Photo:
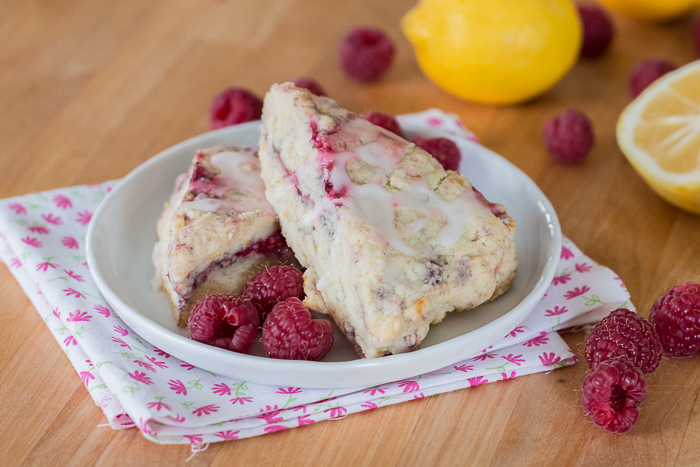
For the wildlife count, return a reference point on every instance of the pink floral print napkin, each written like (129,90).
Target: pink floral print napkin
(42,241)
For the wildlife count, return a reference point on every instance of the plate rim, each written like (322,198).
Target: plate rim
(141,320)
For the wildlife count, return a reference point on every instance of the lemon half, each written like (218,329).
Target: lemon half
(659,133)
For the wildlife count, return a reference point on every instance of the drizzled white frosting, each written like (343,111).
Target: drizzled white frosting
(239,171)
(371,202)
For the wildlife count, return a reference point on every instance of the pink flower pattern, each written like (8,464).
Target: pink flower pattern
(141,377)
(206,410)
(78,315)
(228,434)
(221,389)
(51,219)
(272,414)
(38,229)
(62,202)
(103,310)
(556,311)
(159,405)
(177,386)
(71,291)
(32,241)
(549,358)
(477,381)
(576,292)
(17,208)
(70,242)
(86,376)
(46,265)
(74,276)
(542,339)
(563,279)
(566,253)
(409,386)
(84,217)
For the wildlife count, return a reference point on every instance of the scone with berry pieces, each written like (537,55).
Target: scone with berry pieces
(391,241)
(217,230)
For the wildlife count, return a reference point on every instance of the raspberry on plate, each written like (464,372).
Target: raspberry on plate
(597,30)
(444,150)
(233,106)
(386,121)
(224,321)
(290,333)
(612,393)
(569,136)
(646,72)
(274,284)
(309,84)
(676,319)
(624,333)
(365,54)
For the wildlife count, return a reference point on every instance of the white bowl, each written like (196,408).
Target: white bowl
(122,233)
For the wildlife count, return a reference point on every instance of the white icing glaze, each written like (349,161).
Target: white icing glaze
(371,202)
(236,174)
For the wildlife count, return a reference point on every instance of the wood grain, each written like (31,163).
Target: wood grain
(88,90)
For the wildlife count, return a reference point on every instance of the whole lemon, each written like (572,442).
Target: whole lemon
(652,10)
(494,51)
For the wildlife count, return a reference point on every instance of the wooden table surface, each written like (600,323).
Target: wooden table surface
(89,90)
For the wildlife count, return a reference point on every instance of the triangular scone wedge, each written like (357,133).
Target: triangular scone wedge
(217,230)
(390,240)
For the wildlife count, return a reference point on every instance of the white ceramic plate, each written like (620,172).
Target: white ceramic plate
(121,237)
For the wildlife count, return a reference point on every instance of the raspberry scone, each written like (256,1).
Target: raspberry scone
(217,230)
(391,241)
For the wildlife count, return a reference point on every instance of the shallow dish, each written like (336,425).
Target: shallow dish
(122,233)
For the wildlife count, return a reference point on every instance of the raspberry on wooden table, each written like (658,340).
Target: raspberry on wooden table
(274,284)
(624,333)
(444,150)
(224,321)
(612,393)
(569,136)
(233,106)
(646,72)
(290,333)
(597,30)
(365,54)
(386,121)
(676,319)
(309,84)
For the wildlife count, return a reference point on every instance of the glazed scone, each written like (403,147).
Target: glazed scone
(390,240)
(217,230)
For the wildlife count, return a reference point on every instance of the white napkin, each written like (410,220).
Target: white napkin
(42,241)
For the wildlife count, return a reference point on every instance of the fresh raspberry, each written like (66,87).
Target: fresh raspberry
(290,333)
(568,136)
(444,150)
(646,72)
(386,121)
(696,35)
(611,394)
(365,54)
(224,321)
(234,106)
(310,84)
(275,284)
(676,319)
(597,30)
(624,333)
